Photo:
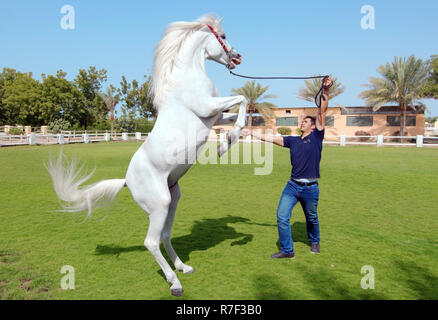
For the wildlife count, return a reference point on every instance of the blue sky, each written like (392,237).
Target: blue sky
(280,38)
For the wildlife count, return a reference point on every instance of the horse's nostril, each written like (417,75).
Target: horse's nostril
(239,56)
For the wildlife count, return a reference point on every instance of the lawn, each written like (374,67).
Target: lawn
(378,207)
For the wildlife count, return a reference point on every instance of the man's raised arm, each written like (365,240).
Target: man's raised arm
(320,119)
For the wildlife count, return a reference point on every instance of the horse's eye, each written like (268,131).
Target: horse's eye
(223,37)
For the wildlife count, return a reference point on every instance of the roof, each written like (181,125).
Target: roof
(367,110)
(382,110)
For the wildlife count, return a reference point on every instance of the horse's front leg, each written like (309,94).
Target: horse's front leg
(212,106)
(234,134)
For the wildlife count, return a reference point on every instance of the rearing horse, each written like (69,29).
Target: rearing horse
(188,106)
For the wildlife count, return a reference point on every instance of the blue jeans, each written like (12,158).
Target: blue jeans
(308,196)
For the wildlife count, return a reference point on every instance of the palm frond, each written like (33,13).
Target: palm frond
(255,94)
(312,87)
(401,82)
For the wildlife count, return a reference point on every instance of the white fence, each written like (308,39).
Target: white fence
(68,137)
(82,137)
(381,140)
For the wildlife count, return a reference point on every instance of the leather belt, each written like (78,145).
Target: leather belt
(304,184)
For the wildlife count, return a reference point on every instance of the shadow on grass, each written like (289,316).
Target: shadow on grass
(414,280)
(268,287)
(205,234)
(419,280)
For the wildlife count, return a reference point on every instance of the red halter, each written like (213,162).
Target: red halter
(218,39)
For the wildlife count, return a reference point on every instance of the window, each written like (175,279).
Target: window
(330,121)
(364,121)
(258,121)
(290,121)
(394,121)
(287,112)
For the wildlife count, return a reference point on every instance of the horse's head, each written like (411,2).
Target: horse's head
(218,48)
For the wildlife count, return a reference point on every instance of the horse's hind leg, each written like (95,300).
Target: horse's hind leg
(175,194)
(157,204)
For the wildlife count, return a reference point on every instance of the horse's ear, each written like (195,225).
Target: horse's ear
(218,21)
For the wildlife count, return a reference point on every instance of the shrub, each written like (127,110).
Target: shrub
(58,125)
(362,133)
(284,131)
(397,134)
(100,125)
(15,131)
(299,132)
(143,125)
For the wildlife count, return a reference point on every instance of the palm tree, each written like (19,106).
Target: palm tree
(255,94)
(110,101)
(313,86)
(430,89)
(402,83)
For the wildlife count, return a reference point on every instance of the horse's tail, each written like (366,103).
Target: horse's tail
(66,180)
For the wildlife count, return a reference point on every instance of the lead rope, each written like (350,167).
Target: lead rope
(318,97)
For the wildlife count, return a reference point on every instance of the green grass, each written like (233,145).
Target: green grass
(378,207)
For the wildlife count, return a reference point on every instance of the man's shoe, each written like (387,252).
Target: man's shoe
(280,255)
(315,248)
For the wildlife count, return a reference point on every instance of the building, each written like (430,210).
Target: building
(347,121)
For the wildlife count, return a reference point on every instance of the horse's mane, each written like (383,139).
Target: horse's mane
(167,50)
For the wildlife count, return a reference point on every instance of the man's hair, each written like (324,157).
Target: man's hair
(312,119)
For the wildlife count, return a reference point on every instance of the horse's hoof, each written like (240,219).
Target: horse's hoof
(221,150)
(189,270)
(176,292)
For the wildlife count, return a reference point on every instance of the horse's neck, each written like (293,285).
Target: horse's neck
(191,56)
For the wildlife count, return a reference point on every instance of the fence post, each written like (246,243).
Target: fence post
(342,140)
(106,136)
(124,136)
(32,139)
(85,136)
(60,138)
(419,141)
(221,137)
(380,140)
(138,135)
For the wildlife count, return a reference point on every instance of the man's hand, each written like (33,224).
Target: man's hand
(327,83)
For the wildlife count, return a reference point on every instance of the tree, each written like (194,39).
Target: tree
(313,86)
(20,98)
(402,83)
(255,94)
(111,100)
(146,107)
(135,102)
(430,89)
(89,82)
(61,99)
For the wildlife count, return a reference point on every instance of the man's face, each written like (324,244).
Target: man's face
(306,125)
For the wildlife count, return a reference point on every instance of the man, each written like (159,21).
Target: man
(305,156)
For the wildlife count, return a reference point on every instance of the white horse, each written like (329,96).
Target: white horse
(188,106)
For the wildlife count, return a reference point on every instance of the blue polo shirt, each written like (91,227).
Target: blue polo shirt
(305,154)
